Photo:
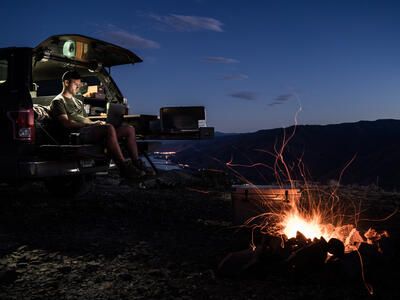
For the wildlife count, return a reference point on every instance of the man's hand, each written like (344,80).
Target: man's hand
(98,123)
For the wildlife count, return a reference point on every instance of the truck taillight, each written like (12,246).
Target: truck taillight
(23,122)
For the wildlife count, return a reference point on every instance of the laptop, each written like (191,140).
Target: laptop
(115,114)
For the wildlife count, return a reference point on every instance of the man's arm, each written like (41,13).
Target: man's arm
(71,124)
(59,113)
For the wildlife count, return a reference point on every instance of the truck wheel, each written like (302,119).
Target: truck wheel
(70,186)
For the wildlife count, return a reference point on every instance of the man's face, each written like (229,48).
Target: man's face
(73,86)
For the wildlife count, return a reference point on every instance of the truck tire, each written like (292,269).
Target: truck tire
(70,186)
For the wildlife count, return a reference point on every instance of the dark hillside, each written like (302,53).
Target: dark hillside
(325,151)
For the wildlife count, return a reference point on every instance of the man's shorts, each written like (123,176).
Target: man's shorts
(87,136)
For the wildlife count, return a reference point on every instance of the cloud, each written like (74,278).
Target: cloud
(189,23)
(235,77)
(220,60)
(128,39)
(283,97)
(274,103)
(245,95)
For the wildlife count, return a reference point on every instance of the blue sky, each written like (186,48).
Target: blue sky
(249,62)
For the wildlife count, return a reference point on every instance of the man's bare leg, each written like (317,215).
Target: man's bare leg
(129,133)
(107,132)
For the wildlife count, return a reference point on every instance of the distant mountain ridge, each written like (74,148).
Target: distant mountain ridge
(324,150)
(219,133)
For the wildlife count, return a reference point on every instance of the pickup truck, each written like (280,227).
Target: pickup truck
(34,147)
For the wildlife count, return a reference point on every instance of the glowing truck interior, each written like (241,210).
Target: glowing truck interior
(92,58)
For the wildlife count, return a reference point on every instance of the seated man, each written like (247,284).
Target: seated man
(69,111)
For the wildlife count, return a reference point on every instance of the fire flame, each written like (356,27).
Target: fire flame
(310,228)
(313,227)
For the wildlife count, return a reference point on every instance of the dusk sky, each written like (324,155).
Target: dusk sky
(251,63)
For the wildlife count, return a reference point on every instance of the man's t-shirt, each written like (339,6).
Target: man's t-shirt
(73,108)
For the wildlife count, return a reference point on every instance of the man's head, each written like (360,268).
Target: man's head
(71,82)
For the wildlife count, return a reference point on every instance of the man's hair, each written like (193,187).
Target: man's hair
(71,75)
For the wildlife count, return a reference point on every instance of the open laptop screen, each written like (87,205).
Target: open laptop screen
(115,114)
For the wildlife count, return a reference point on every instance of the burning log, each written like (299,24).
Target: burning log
(360,262)
(311,256)
(336,247)
(373,236)
(301,239)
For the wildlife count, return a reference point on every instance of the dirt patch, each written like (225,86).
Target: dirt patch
(119,242)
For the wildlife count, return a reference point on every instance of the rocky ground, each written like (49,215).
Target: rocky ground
(118,242)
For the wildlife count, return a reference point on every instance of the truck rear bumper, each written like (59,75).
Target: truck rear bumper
(12,170)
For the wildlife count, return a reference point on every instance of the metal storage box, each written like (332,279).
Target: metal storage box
(182,118)
(252,200)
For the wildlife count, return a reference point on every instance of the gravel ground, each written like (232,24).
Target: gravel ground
(118,242)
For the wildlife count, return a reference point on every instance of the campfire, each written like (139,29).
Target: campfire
(313,227)
(299,239)
(301,231)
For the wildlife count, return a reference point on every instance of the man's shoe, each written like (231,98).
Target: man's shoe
(139,164)
(131,172)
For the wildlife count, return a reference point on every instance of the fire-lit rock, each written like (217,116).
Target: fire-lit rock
(309,257)
(336,247)
(301,239)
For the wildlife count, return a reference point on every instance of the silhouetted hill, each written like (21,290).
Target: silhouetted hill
(325,150)
(219,133)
